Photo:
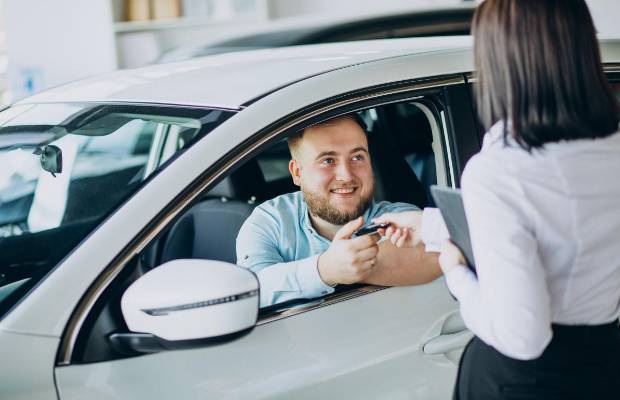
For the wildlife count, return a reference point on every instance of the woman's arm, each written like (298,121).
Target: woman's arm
(508,305)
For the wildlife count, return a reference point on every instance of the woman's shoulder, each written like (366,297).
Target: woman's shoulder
(498,164)
(500,151)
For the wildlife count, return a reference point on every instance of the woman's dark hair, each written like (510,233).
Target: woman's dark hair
(539,68)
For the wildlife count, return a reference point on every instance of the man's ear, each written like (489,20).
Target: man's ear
(295,169)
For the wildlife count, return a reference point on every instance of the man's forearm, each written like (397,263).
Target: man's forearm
(404,266)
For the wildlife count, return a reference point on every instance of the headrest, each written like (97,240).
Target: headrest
(244,183)
(413,133)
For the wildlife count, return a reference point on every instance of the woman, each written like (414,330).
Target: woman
(543,211)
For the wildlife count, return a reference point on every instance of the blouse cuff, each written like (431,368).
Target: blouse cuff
(462,282)
(434,231)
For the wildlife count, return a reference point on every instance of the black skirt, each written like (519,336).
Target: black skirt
(581,362)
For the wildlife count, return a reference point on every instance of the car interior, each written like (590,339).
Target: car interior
(403,143)
(209,229)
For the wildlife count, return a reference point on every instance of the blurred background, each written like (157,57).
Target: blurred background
(47,43)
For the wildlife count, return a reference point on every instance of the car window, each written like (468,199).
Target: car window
(616,88)
(66,167)
(406,148)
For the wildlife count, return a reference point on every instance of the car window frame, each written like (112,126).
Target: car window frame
(393,92)
(440,114)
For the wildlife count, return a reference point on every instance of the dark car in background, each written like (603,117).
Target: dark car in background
(437,21)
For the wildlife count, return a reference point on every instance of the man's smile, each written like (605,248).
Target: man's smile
(344,191)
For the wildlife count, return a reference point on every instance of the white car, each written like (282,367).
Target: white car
(121,197)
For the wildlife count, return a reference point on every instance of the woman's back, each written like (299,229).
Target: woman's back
(569,196)
(541,201)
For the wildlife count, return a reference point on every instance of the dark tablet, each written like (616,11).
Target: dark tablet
(450,202)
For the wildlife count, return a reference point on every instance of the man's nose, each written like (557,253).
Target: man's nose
(343,172)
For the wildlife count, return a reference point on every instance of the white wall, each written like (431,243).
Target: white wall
(606,15)
(50,42)
(138,47)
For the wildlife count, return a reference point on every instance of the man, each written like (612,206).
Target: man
(300,244)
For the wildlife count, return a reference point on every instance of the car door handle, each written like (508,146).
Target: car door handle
(446,343)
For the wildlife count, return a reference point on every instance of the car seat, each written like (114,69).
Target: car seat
(395,179)
(209,229)
(406,137)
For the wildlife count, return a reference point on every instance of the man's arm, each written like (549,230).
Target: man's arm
(404,266)
(410,265)
(257,250)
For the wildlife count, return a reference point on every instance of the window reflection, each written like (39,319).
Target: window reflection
(106,152)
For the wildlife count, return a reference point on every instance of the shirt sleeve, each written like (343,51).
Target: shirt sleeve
(385,207)
(434,230)
(258,250)
(508,304)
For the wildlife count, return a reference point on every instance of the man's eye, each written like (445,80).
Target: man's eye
(358,157)
(327,161)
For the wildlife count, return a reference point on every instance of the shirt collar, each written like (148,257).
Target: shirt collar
(495,136)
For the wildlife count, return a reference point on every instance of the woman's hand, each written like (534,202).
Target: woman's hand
(405,228)
(450,257)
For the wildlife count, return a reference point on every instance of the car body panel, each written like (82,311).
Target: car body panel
(27,362)
(307,356)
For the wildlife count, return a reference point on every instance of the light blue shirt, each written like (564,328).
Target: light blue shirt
(279,244)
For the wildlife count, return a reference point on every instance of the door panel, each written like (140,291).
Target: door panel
(366,348)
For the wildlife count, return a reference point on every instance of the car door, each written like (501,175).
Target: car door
(373,342)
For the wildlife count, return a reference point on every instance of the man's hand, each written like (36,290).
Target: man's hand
(348,260)
(405,228)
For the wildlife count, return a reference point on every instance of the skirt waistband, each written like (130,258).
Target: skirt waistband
(586,333)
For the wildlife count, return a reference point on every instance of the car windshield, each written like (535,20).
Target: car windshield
(66,167)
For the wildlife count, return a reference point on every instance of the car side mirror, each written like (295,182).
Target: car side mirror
(187,304)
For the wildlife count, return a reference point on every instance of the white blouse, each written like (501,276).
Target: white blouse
(545,230)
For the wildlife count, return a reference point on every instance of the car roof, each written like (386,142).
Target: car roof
(313,29)
(233,79)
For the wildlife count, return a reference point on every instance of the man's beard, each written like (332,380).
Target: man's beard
(320,207)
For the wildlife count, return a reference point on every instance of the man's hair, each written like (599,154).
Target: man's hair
(539,69)
(295,139)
